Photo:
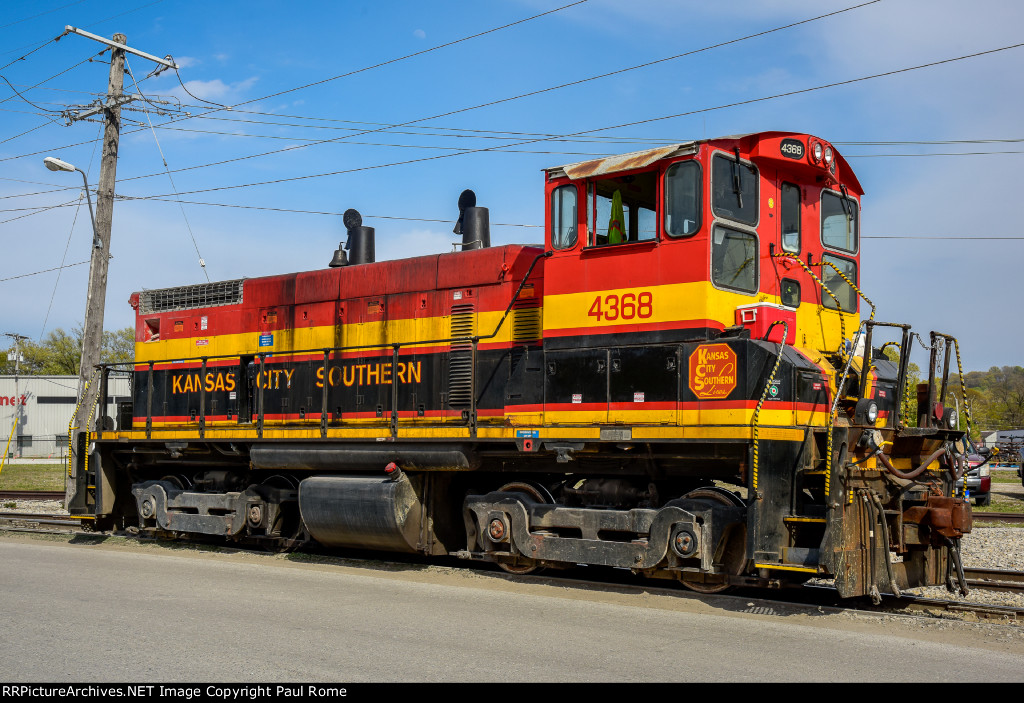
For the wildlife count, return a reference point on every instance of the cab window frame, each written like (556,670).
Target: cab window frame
(557,242)
(750,234)
(595,219)
(827,273)
(822,217)
(785,187)
(691,164)
(754,198)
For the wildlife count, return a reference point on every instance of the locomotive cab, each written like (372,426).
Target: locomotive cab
(713,234)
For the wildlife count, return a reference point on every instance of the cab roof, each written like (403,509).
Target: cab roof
(641,159)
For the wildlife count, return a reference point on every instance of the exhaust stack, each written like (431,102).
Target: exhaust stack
(473,223)
(360,242)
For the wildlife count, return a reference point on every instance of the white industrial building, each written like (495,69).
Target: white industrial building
(43,406)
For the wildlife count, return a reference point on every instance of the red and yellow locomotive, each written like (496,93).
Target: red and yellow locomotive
(679,382)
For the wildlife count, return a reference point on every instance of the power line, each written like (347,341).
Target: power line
(88,26)
(413,55)
(26,19)
(522,95)
(360,143)
(61,73)
(67,246)
(36,273)
(500,149)
(44,209)
(618,126)
(54,112)
(22,58)
(314,212)
(202,263)
(934,238)
(957,153)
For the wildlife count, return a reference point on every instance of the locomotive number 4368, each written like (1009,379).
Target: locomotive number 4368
(627,306)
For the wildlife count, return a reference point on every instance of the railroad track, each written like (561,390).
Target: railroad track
(995,579)
(917,604)
(992,579)
(9,520)
(998,517)
(32,495)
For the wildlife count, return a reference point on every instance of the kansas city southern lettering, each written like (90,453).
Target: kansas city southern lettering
(370,374)
(712,371)
(275,379)
(193,383)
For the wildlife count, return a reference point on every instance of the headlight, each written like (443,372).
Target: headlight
(985,470)
(953,419)
(872,413)
(816,152)
(828,155)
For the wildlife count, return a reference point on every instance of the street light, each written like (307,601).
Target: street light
(55,164)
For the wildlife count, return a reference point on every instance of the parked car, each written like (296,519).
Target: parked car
(978,476)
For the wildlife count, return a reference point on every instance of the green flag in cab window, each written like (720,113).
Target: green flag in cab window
(616,231)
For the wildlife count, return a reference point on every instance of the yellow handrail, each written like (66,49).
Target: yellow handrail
(3,461)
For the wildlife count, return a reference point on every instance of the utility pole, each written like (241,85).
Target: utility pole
(92,334)
(18,408)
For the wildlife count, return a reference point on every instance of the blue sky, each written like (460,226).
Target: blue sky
(247,54)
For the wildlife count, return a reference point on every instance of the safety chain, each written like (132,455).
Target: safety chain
(834,411)
(967,407)
(905,402)
(963,387)
(85,392)
(851,284)
(839,307)
(764,393)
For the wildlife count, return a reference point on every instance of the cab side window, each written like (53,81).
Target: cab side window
(790,216)
(622,209)
(734,259)
(682,199)
(563,217)
(735,186)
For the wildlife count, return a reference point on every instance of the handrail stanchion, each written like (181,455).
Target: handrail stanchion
(149,402)
(202,401)
(323,395)
(394,389)
(259,395)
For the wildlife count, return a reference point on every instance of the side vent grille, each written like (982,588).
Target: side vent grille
(526,324)
(527,328)
(203,295)
(460,360)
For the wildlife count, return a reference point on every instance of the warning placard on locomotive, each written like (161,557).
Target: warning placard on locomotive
(712,371)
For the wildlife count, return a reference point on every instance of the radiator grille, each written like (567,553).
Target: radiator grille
(203,295)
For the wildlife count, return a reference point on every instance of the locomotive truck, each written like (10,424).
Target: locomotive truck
(683,380)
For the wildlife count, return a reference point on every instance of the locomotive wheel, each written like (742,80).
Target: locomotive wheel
(734,558)
(539,494)
(179,480)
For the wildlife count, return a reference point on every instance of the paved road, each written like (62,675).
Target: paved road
(138,613)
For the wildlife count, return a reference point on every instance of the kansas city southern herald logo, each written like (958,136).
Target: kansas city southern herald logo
(712,371)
